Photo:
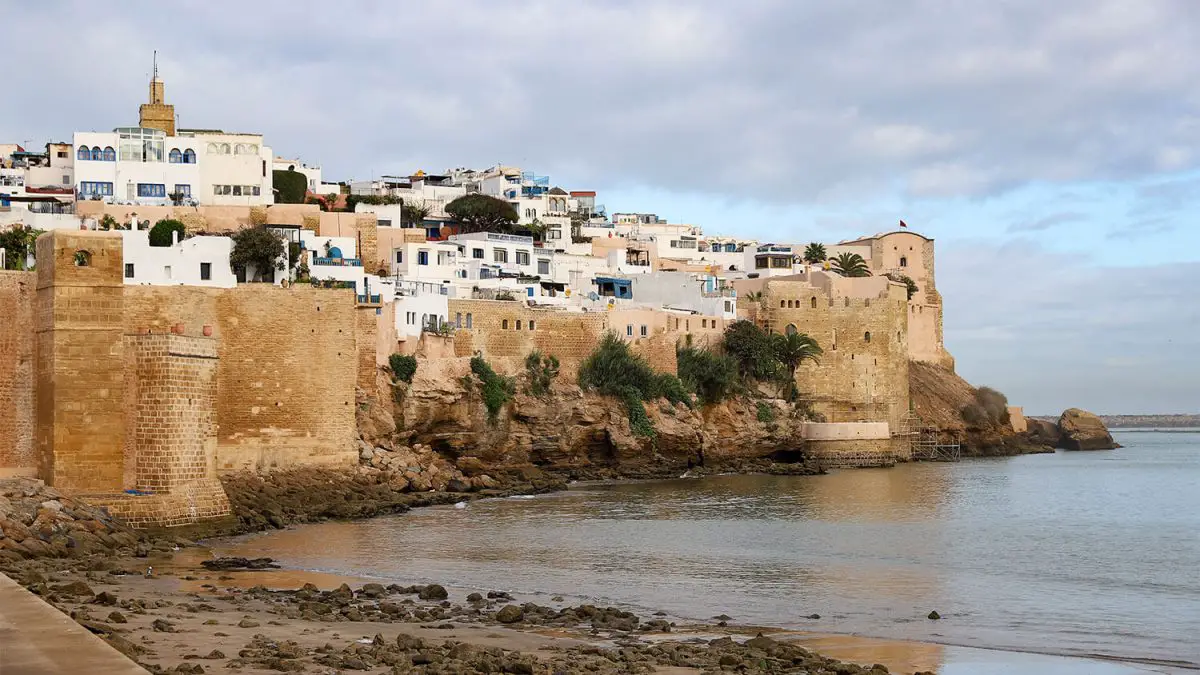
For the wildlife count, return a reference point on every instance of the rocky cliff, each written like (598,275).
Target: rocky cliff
(939,397)
(569,432)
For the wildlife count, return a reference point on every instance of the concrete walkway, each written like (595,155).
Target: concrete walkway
(37,639)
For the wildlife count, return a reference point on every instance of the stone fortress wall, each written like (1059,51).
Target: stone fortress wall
(17,457)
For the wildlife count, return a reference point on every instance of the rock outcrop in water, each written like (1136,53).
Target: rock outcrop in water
(1081,430)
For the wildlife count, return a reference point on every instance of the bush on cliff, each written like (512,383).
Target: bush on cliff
(496,389)
(162,234)
(614,370)
(989,407)
(403,366)
(711,375)
(540,372)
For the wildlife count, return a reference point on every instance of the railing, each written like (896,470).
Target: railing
(372,299)
(338,262)
(511,238)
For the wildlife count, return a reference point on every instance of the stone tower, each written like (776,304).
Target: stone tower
(156,114)
(79,360)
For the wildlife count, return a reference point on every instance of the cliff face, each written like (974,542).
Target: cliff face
(571,431)
(939,396)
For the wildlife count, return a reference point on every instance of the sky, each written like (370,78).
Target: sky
(1050,148)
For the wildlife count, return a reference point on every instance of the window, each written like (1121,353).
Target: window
(781,263)
(477,253)
(382,222)
(151,190)
(94,188)
(522,257)
(97,153)
(167,271)
(189,156)
(903,261)
(500,255)
(543,266)
(128,270)
(504,324)
(237,190)
(175,156)
(704,323)
(518,324)
(644,330)
(62,154)
(813,302)
(422,257)
(458,319)
(674,243)
(531,324)
(782,304)
(629,330)
(183,189)
(205,271)
(399,257)
(791,329)
(109,155)
(66,179)
(760,262)
(867,336)
(83,153)
(468,319)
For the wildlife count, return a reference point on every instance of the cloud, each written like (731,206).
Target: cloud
(1052,331)
(1047,222)
(766,99)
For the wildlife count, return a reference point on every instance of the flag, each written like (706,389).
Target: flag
(903,224)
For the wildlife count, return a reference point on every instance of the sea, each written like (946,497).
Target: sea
(1093,555)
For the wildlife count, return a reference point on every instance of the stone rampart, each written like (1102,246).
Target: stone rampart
(17,457)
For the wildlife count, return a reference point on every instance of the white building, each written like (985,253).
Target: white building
(435,262)
(333,259)
(196,261)
(420,306)
(312,174)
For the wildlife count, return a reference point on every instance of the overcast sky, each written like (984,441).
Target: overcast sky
(1049,147)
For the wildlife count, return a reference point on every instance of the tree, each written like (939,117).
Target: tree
(815,253)
(751,348)
(710,375)
(851,265)
(907,281)
(481,213)
(109,223)
(162,232)
(415,213)
(290,186)
(18,244)
(258,247)
(791,350)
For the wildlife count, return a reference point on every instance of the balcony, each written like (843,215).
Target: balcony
(338,262)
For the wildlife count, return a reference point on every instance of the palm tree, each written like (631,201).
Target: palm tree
(851,265)
(815,253)
(793,349)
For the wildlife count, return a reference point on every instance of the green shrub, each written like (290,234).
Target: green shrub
(403,366)
(540,372)
(765,413)
(290,186)
(753,350)
(109,223)
(710,375)
(993,403)
(974,414)
(906,280)
(161,233)
(614,370)
(495,389)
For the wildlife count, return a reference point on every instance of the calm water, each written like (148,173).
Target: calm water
(1094,553)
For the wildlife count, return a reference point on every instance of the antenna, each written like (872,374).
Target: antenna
(155,76)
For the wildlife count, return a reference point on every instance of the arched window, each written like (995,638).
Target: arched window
(791,329)
(518,324)
(97,153)
(109,154)
(83,153)
(782,304)
(214,149)
(175,156)
(531,324)
(867,336)
(83,258)
(504,324)
(469,322)
(814,302)
(903,261)
(251,149)
(239,149)
(189,156)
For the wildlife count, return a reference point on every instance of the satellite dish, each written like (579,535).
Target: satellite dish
(593,296)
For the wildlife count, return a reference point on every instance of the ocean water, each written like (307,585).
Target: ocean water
(1091,554)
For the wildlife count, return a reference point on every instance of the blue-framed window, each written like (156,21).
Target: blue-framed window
(97,153)
(151,190)
(83,153)
(97,188)
(184,189)
(108,154)
(189,156)
(175,156)
(422,257)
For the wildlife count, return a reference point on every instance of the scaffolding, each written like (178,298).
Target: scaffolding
(922,443)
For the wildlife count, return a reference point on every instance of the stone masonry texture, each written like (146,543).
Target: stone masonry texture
(16,373)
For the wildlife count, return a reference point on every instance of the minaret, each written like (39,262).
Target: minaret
(156,114)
